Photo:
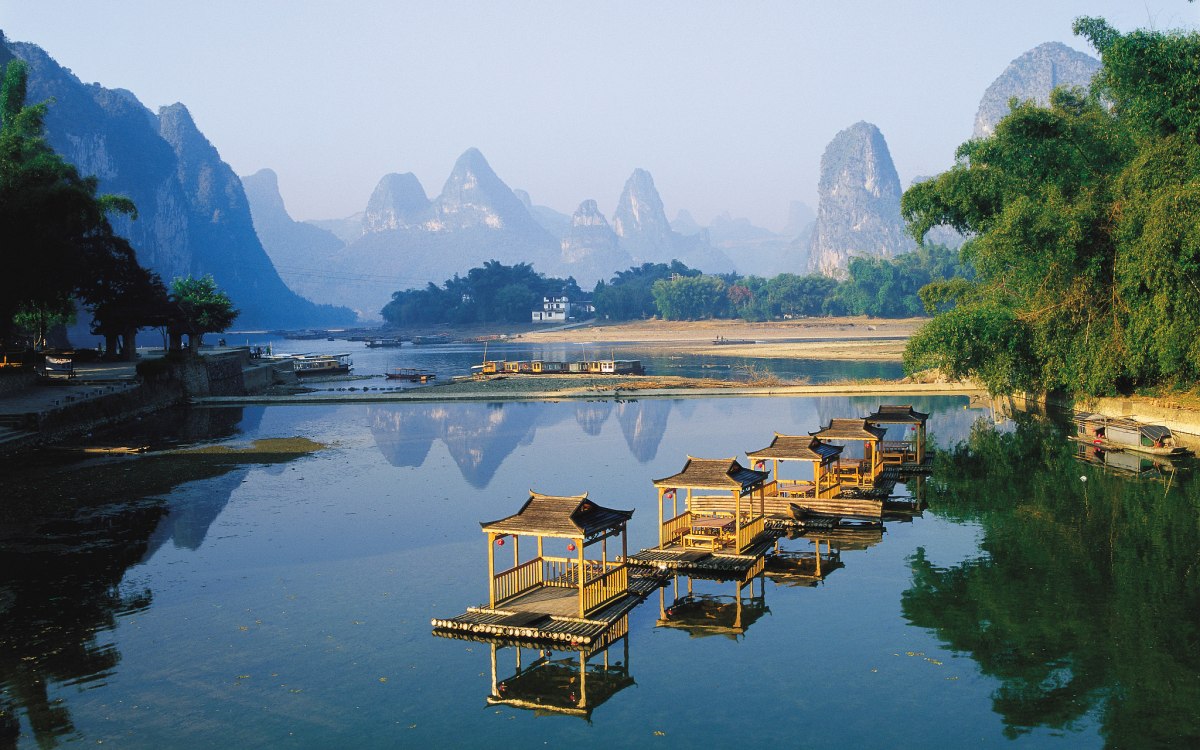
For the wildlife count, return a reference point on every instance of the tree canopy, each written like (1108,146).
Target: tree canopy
(492,292)
(1084,226)
(58,245)
(200,308)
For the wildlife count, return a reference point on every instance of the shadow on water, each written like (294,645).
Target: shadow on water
(1085,604)
(74,528)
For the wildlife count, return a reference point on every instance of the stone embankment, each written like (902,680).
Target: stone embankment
(36,411)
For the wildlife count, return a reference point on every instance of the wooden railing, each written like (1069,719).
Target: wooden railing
(605,586)
(675,528)
(771,488)
(517,580)
(746,533)
(898,451)
(560,571)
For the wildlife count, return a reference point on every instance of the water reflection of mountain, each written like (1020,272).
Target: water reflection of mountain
(591,415)
(1086,606)
(69,532)
(643,423)
(479,437)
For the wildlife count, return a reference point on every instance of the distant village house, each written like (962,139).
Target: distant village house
(562,309)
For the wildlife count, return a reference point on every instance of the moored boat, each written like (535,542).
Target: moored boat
(1127,434)
(307,365)
(384,343)
(410,374)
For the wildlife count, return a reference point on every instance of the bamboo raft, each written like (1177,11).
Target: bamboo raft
(486,623)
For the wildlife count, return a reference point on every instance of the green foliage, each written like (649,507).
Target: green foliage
(202,308)
(493,292)
(690,297)
(1083,609)
(1083,220)
(53,224)
(628,295)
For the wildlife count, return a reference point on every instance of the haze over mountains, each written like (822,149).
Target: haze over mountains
(196,216)
(193,217)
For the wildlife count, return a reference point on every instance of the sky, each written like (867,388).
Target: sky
(728,105)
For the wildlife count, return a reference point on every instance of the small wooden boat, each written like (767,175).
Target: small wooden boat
(410,374)
(834,510)
(1127,435)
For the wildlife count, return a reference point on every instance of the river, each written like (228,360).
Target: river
(288,603)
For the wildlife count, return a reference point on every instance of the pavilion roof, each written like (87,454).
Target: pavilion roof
(550,515)
(714,473)
(797,448)
(893,414)
(849,429)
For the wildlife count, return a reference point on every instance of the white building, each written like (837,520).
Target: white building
(561,310)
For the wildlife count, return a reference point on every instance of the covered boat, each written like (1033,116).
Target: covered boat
(1127,434)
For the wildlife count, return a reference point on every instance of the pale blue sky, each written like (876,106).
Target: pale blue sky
(728,104)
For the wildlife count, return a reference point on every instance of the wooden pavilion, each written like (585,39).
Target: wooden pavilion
(573,684)
(712,521)
(558,585)
(911,450)
(800,449)
(858,472)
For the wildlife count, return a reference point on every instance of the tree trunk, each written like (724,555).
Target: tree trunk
(130,352)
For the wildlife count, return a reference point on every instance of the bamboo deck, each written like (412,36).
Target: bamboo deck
(678,559)
(542,615)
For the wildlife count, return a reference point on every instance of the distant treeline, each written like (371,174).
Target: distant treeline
(885,288)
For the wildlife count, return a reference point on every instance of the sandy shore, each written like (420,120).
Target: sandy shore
(806,338)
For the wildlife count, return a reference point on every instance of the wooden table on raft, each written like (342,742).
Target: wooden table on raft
(709,532)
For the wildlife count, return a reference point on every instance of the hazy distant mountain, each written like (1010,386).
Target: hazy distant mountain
(300,252)
(800,219)
(556,223)
(641,224)
(591,248)
(475,218)
(859,209)
(399,202)
(347,229)
(193,217)
(1033,75)
(685,224)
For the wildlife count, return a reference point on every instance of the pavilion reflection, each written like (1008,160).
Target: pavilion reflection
(559,681)
(711,604)
(795,563)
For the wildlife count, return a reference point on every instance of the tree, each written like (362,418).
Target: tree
(201,307)
(1085,218)
(53,224)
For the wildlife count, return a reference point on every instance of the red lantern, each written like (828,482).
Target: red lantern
(500,542)
(571,547)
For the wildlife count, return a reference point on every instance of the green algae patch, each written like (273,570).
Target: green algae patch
(265,450)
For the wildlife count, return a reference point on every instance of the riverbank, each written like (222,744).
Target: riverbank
(846,338)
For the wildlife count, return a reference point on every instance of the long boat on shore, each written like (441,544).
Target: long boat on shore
(546,367)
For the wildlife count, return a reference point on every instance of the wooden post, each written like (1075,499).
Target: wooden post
(516,550)
(495,681)
(661,543)
(539,547)
(491,569)
(582,575)
(818,542)
(582,680)
(737,519)
(624,542)
(921,443)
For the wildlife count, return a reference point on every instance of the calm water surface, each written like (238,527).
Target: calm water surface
(289,604)
(456,359)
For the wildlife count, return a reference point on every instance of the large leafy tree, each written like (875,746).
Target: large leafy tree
(56,244)
(200,308)
(1085,226)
